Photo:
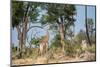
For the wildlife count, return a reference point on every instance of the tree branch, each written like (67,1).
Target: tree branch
(33,27)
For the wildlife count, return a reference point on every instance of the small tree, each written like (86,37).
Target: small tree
(81,36)
(61,17)
(90,24)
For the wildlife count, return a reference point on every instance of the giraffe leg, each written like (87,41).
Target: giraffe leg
(41,49)
(46,47)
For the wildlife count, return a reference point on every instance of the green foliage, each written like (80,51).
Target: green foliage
(14,52)
(35,41)
(19,9)
(72,49)
(81,36)
(56,42)
(33,12)
(17,12)
(14,49)
(33,54)
(56,11)
(58,15)
(90,24)
(93,38)
(92,48)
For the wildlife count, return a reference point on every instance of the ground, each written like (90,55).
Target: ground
(57,57)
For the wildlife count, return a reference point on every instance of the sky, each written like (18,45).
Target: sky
(79,24)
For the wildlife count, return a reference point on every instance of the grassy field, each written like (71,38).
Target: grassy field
(57,56)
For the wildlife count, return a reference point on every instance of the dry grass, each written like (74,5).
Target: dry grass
(58,57)
(41,60)
(22,61)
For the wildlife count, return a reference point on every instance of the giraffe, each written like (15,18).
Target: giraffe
(43,47)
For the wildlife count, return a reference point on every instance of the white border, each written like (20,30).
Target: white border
(5,33)
(88,2)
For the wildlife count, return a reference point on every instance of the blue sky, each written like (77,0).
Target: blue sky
(79,23)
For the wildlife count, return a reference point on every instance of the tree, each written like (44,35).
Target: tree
(56,42)
(81,36)
(21,12)
(86,25)
(60,16)
(90,24)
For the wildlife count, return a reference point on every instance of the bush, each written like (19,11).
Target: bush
(73,49)
(91,49)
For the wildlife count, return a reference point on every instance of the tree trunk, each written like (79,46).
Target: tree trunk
(18,30)
(24,34)
(22,38)
(87,33)
(62,33)
(20,42)
(21,45)
(24,31)
(61,30)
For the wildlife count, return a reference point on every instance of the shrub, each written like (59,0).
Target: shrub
(73,49)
